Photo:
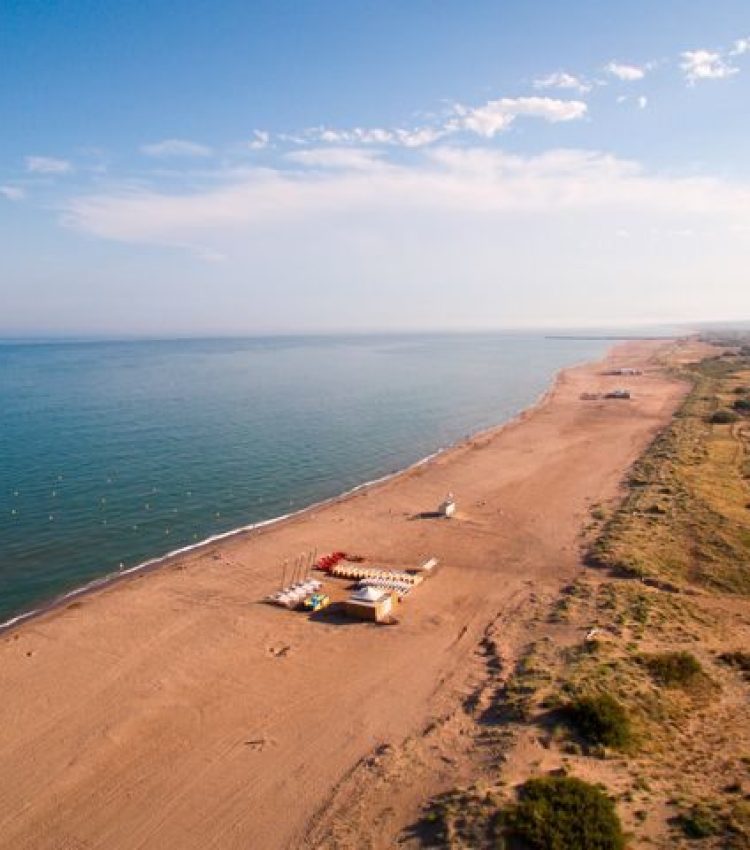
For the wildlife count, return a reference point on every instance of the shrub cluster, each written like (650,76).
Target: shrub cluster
(737,659)
(564,813)
(699,822)
(674,669)
(600,720)
(724,416)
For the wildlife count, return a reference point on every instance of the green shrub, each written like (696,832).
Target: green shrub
(724,416)
(674,669)
(742,404)
(600,720)
(738,659)
(564,813)
(699,822)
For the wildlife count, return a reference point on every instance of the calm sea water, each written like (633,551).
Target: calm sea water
(112,453)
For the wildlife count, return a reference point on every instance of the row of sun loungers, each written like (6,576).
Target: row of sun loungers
(358,573)
(400,588)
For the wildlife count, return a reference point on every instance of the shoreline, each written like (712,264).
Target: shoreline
(180,710)
(114,578)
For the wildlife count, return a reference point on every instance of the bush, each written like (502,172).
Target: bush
(742,404)
(674,669)
(738,659)
(724,416)
(600,720)
(564,813)
(699,822)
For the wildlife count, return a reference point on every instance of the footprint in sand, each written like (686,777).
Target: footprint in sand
(279,651)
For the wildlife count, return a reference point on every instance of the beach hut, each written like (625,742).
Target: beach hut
(370,603)
(623,394)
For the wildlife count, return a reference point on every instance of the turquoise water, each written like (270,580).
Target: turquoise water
(112,453)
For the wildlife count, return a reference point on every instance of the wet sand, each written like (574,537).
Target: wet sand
(175,709)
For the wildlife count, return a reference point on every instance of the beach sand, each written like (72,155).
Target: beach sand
(175,709)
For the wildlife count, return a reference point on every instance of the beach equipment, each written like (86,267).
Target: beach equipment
(359,573)
(400,588)
(317,601)
(294,595)
(327,561)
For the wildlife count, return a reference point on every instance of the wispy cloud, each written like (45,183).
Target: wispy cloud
(740,47)
(445,181)
(624,72)
(705,65)
(47,165)
(12,193)
(498,115)
(353,159)
(175,148)
(563,80)
(406,137)
(260,140)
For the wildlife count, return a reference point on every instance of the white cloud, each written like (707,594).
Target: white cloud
(260,140)
(175,148)
(410,138)
(740,47)
(497,115)
(642,102)
(420,136)
(353,159)
(705,65)
(47,165)
(562,80)
(626,73)
(447,182)
(365,136)
(12,193)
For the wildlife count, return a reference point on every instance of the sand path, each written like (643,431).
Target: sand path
(175,710)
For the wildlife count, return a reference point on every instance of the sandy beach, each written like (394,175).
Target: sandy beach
(176,710)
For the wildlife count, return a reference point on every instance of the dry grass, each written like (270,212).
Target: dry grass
(686,517)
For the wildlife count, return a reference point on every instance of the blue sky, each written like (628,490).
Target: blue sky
(190,168)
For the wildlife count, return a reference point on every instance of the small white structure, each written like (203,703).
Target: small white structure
(370,603)
(447,507)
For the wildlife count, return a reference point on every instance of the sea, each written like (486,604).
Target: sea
(117,453)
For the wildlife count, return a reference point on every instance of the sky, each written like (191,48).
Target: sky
(203,168)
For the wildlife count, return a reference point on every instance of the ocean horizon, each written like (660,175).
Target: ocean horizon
(117,453)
